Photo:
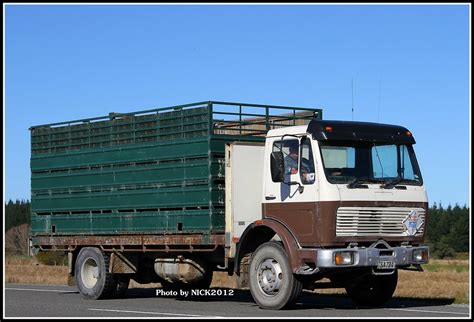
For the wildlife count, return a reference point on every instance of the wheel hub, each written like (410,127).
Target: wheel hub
(90,272)
(270,276)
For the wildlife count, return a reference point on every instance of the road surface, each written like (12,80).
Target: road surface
(64,301)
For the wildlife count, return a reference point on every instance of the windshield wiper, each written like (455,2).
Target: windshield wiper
(392,183)
(354,183)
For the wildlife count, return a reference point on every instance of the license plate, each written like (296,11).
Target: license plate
(385,265)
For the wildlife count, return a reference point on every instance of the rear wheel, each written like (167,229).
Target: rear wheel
(92,274)
(93,278)
(373,290)
(122,281)
(272,282)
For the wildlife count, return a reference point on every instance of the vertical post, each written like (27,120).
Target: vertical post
(50,144)
(157,126)
(68,137)
(210,156)
(111,130)
(134,129)
(211,118)
(182,122)
(89,134)
(240,120)
(267,119)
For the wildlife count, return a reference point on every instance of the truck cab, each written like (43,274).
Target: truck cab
(345,201)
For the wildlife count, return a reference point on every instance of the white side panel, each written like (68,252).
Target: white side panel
(376,193)
(247,177)
(228,201)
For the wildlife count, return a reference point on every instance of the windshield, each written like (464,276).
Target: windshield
(370,162)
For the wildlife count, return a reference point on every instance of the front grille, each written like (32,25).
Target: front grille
(375,221)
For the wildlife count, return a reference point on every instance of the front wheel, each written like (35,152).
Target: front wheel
(373,290)
(272,283)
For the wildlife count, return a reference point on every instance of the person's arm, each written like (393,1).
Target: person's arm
(291,165)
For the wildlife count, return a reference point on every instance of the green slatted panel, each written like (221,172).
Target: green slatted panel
(125,222)
(141,172)
(172,173)
(130,173)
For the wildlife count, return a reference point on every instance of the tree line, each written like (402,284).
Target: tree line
(17,213)
(447,228)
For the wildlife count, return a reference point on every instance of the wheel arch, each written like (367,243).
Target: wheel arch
(261,232)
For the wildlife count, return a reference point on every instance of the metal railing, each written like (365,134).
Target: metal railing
(257,119)
(167,123)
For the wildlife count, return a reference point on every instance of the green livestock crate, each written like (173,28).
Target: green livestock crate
(153,171)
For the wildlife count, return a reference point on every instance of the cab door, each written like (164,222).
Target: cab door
(293,202)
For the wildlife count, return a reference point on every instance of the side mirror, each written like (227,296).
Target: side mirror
(277,166)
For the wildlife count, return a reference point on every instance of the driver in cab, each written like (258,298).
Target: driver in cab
(291,160)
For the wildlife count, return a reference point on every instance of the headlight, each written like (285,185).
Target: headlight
(343,258)
(420,255)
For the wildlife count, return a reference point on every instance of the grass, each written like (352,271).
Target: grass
(442,279)
(27,270)
(434,285)
(462,256)
(438,265)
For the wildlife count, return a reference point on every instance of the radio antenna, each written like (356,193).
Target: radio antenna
(352,88)
(380,98)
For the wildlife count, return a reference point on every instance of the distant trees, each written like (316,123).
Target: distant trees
(447,229)
(17,213)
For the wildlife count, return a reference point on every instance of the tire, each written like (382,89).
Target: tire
(92,275)
(272,282)
(373,290)
(121,285)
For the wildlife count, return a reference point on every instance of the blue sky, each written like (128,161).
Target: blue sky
(409,65)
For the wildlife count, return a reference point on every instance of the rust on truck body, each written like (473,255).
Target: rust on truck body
(136,243)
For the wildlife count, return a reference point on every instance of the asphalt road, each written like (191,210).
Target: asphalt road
(63,301)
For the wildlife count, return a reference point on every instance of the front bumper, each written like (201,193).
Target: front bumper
(372,257)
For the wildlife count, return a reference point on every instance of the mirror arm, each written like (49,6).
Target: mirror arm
(292,183)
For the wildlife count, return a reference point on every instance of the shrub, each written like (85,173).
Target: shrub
(16,240)
(443,250)
(52,258)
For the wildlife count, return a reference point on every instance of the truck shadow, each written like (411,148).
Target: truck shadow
(228,295)
(310,300)
(307,300)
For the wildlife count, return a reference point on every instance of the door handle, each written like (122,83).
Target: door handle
(270,197)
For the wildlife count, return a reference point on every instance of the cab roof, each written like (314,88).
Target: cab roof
(298,129)
(328,130)
(332,130)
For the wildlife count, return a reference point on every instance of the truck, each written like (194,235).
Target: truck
(273,195)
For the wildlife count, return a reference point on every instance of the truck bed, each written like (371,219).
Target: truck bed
(152,172)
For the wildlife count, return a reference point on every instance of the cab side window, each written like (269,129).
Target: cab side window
(290,149)
(307,172)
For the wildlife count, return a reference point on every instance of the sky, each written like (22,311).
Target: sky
(398,64)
